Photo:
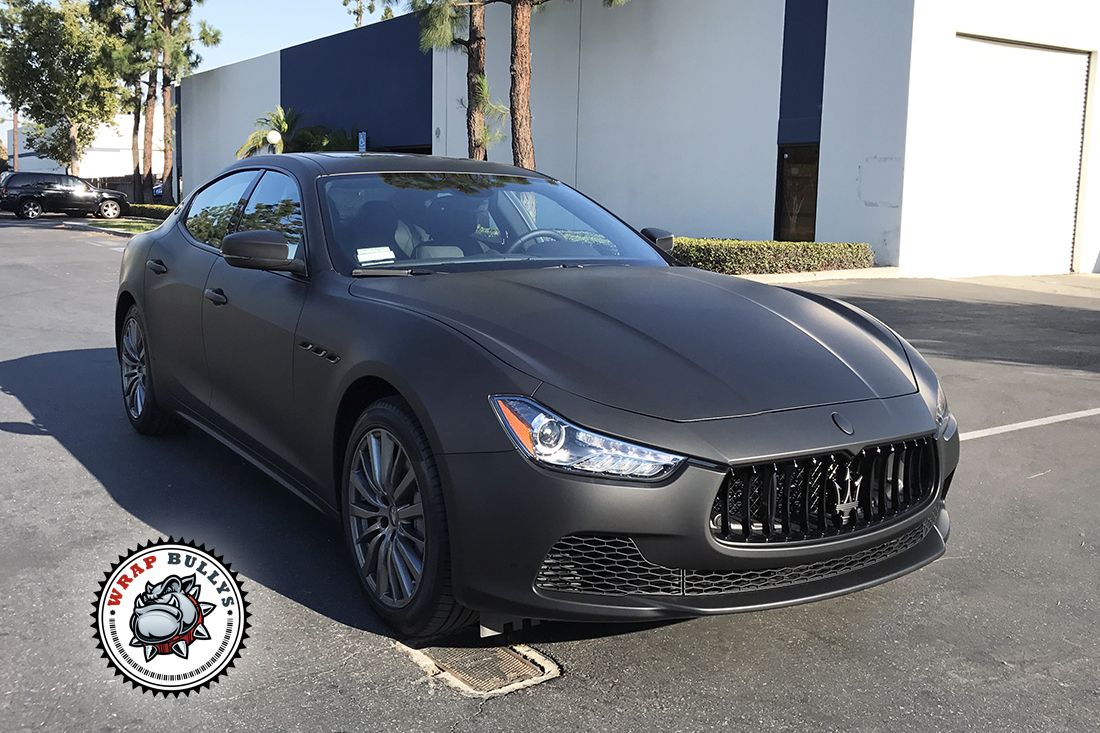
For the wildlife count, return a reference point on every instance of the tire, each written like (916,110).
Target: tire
(108,209)
(140,402)
(29,209)
(394,519)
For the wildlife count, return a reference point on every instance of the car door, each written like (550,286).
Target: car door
(176,271)
(54,195)
(249,319)
(79,196)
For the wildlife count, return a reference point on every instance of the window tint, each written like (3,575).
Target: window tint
(276,205)
(472,220)
(213,207)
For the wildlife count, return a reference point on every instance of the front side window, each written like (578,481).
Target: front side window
(276,205)
(460,221)
(212,209)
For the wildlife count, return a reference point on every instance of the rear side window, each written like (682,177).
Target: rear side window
(276,205)
(212,209)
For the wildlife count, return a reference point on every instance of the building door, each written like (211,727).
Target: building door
(1018,121)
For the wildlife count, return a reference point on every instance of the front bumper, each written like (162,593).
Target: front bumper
(505,515)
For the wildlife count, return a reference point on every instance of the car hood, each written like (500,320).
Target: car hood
(670,342)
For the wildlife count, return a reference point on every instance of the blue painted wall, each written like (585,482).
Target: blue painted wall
(803,81)
(373,78)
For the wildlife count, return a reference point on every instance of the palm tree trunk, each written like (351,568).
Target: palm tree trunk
(523,146)
(135,147)
(74,155)
(167,195)
(147,149)
(475,72)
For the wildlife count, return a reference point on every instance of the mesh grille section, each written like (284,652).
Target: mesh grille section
(702,583)
(613,566)
(606,566)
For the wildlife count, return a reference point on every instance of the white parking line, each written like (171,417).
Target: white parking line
(1029,424)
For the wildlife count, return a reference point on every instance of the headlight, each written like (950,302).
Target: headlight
(942,413)
(544,437)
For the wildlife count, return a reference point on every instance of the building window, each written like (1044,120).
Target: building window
(796,193)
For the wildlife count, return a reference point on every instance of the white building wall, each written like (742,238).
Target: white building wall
(631,108)
(218,112)
(109,156)
(935,210)
(863,124)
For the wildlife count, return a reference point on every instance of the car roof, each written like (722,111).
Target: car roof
(337,163)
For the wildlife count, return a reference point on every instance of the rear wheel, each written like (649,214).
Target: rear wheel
(29,209)
(109,209)
(395,523)
(145,414)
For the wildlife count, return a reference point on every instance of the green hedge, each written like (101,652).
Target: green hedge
(737,257)
(151,211)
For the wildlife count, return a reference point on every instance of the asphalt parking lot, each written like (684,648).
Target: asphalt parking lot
(1000,634)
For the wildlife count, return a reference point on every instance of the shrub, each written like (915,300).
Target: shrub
(151,211)
(737,257)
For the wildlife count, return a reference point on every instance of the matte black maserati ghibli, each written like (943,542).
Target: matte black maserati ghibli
(521,408)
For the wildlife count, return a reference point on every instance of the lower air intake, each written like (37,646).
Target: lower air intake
(613,566)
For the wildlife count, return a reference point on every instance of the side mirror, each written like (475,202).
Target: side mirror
(660,237)
(260,249)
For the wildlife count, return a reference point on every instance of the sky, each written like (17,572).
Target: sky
(255,27)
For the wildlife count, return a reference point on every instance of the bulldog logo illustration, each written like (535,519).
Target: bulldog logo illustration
(154,629)
(168,617)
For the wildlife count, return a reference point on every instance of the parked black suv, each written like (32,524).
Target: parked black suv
(31,194)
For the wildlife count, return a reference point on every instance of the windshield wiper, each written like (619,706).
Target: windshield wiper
(387,272)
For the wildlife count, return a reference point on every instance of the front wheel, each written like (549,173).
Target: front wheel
(395,523)
(145,414)
(109,210)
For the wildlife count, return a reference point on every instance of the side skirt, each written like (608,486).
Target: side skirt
(297,488)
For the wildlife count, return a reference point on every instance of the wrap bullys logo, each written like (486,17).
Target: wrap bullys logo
(171,617)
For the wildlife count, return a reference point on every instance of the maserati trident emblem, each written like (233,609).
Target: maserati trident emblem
(847,491)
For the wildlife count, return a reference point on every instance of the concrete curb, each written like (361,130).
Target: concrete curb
(101,230)
(866,273)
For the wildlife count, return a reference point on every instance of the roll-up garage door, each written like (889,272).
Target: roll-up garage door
(1019,122)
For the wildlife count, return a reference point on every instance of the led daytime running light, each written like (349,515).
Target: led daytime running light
(549,439)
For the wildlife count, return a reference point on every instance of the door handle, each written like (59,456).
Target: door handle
(216,296)
(156,266)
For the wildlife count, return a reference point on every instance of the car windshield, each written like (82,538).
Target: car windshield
(452,221)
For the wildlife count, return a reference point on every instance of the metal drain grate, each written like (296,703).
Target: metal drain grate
(485,671)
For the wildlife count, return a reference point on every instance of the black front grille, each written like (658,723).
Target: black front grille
(613,566)
(824,496)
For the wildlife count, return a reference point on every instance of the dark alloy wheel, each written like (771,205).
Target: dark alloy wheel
(109,209)
(30,209)
(395,522)
(142,409)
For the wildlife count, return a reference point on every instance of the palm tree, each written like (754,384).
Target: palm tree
(283,122)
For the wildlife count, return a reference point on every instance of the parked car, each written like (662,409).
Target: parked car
(521,408)
(30,195)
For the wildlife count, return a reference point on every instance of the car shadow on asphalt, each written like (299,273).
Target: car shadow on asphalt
(187,485)
(190,486)
(46,221)
(1015,333)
